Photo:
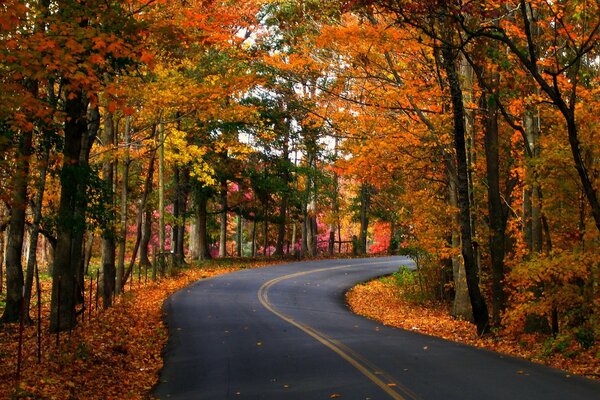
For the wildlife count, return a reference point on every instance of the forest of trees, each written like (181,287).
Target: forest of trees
(152,133)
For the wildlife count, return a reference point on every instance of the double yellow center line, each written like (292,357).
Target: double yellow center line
(372,372)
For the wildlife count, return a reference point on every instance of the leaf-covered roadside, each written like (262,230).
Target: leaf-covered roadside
(115,356)
(384,301)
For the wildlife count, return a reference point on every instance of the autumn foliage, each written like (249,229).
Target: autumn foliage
(144,135)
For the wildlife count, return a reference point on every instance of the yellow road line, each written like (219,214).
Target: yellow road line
(359,362)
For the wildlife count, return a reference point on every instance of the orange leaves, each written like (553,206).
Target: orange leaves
(116,355)
(384,302)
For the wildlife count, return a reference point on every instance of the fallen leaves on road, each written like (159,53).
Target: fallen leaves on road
(383,302)
(116,355)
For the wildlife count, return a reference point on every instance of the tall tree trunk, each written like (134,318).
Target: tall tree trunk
(282,221)
(2,253)
(183,191)
(16,230)
(161,197)
(305,230)
(37,219)
(254,237)
(266,228)
(461,304)
(532,132)
(67,274)
(140,217)
(146,236)
(109,233)
(294,237)
(176,211)
(200,225)
(496,211)
(480,311)
(124,199)
(365,205)
(223,231)
(240,234)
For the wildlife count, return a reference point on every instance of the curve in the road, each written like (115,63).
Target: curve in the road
(364,366)
(285,332)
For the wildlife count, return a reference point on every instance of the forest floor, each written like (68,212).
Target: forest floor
(386,301)
(114,354)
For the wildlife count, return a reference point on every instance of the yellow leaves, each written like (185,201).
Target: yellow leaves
(180,151)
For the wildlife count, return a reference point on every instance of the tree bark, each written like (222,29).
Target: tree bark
(365,205)
(109,234)
(285,176)
(266,228)
(461,304)
(223,230)
(240,235)
(71,212)
(161,198)
(201,214)
(124,211)
(480,311)
(183,191)
(496,210)
(16,230)
(146,236)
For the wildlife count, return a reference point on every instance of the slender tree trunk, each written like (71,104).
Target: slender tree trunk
(223,231)
(305,230)
(109,234)
(294,237)
(480,311)
(282,221)
(201,235)
(183,193)
(365,205)
(331,248)
(146,236)
(161,197)
(532,132)
(124,199)
(140,217)
(2,253)
(176,212)
(37,219)
(240,236)
(266,229)
(254,237)
(16,230)
(88,250)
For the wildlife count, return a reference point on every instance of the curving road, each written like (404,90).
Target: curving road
(284,332)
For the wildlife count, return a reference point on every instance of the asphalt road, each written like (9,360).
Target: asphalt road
(284,332)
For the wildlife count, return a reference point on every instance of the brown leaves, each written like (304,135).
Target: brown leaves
(115,356)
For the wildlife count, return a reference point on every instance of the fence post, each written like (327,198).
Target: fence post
(97,287)
(39,313)
(58,301)
(21,326)
(91,292)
